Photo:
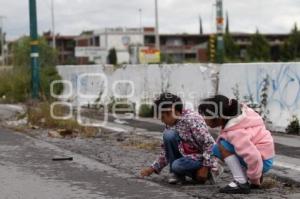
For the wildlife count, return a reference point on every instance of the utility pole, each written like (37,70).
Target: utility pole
(53,25)
(220,30)
(2,40)
(141,26)
(140,17)
(157,42)
(35,77)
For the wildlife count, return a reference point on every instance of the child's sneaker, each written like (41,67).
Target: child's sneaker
(236,188)
(175,179)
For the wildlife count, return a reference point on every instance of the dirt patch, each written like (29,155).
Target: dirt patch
(140,142)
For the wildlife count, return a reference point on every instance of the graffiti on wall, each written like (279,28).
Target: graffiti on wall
(282,91)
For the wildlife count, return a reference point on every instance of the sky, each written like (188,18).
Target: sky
(175,16)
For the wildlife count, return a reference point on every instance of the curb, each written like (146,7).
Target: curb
(288,176)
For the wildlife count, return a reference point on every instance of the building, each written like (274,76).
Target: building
(181,47)
(94,46)
(243,40)
(65,45)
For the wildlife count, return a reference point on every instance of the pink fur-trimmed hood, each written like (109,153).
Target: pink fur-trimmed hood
(252,141)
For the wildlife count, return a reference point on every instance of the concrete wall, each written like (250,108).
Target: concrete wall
(195,81)
(283,90)
(191,81)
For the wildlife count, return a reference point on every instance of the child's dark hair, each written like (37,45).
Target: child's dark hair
(220,107)
(168,100)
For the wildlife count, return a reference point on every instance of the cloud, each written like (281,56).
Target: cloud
(176,16)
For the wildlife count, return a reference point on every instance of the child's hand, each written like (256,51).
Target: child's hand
(147,172)
(202,174)
(256,182)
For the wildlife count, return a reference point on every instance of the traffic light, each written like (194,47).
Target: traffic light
(212,48)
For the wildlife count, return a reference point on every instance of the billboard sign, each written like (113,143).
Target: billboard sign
(149,55)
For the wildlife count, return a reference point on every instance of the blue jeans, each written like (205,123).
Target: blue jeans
(267,164)
(179,165)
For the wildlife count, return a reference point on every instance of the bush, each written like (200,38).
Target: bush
(48,75)
(112,57)
(15,84)
(116,106)
(146,110)
(294,126)
(21,53)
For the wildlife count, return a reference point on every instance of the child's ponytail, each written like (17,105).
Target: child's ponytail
(221,107)
(232,108)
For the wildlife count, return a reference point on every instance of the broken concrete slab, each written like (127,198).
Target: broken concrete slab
(9,111)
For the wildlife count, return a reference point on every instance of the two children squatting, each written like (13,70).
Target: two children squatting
(244,143)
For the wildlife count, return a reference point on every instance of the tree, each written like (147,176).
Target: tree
(231,49)
(112,57)
(259,49)
(285,53)
(290,51)
(20,78)
(21,53)
(227,23)
(201,26)
(294,43)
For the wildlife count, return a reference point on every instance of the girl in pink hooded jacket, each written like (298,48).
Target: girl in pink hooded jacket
(244,143)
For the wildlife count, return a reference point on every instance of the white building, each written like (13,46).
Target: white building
(93,47)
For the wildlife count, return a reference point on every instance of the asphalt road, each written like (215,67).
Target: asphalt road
(28,172)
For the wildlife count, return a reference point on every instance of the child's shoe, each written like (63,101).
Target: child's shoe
(236,188)
(175,179)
